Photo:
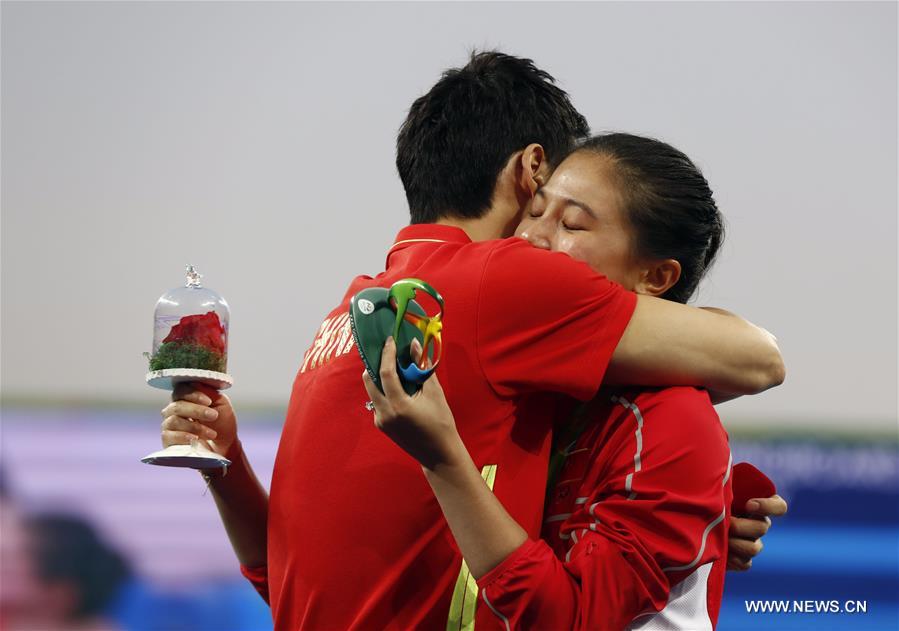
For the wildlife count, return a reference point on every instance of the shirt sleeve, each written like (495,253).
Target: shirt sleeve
(532,589)
(634,540)
(258,577)
(547,322)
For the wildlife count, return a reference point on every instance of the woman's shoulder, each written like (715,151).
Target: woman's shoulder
(680,432)
(686,407)
(681,395)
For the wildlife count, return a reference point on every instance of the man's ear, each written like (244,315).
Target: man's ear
(533,169)
(658,277)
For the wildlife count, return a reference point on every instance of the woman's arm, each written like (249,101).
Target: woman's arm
(485,533)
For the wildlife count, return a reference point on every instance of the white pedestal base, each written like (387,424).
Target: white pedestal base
(193,456)
(167,379)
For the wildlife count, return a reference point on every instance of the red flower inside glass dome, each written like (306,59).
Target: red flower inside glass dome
(203,330)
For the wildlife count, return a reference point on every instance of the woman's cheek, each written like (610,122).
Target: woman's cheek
(566,243)
(582,250)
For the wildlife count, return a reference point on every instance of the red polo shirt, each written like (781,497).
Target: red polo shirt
(356,537)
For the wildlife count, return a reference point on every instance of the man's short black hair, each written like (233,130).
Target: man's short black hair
(459,136)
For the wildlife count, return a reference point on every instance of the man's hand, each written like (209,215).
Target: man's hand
(747,530)
(423,424)
(198,412)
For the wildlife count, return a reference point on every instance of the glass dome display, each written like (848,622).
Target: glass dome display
(190,344)
(190,338)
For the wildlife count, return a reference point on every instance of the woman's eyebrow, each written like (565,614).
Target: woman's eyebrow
(568,201)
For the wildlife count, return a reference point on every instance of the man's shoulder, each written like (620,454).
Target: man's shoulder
(503,267)
(518,266)
(517,248)
(499,249)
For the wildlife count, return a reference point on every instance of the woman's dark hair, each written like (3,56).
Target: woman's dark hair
(668,203)
(68,549)
(459,136)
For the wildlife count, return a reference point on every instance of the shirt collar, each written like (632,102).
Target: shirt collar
(427,233)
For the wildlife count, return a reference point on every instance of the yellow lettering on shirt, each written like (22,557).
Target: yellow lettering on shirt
(334,338)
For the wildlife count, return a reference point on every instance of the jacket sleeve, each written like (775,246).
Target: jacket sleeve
(640,531)
(258,577)
(605,587)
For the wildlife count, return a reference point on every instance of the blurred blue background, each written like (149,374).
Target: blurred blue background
(840,540)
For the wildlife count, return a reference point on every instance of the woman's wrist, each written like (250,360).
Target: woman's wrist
(234,453)
(453,456)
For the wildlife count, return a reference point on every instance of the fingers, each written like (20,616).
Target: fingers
(389,379)
(170,438)
(195,392)
(182,420)
(745,541)
(415,349)
(738,564)
(181,425)
(745,548)
(190,410)
(370,386)
(748,527)
(430,384)
(376,396)
(774,506)
(432,390)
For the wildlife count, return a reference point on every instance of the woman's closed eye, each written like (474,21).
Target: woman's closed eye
(572,226)
(575,218)
(574,221)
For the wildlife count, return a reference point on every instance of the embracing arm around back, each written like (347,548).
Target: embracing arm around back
(561,327)
(670,343)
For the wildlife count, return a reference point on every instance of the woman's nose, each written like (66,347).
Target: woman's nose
(537,237)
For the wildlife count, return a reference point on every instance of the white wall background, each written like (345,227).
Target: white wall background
(257,141)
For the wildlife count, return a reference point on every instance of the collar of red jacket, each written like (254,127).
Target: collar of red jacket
(428,233)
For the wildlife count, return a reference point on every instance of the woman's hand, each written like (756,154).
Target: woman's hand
(202,413)
(746,531)
(422,424)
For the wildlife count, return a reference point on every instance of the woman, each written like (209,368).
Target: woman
(637,513)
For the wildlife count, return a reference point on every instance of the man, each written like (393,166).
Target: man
(352,537)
